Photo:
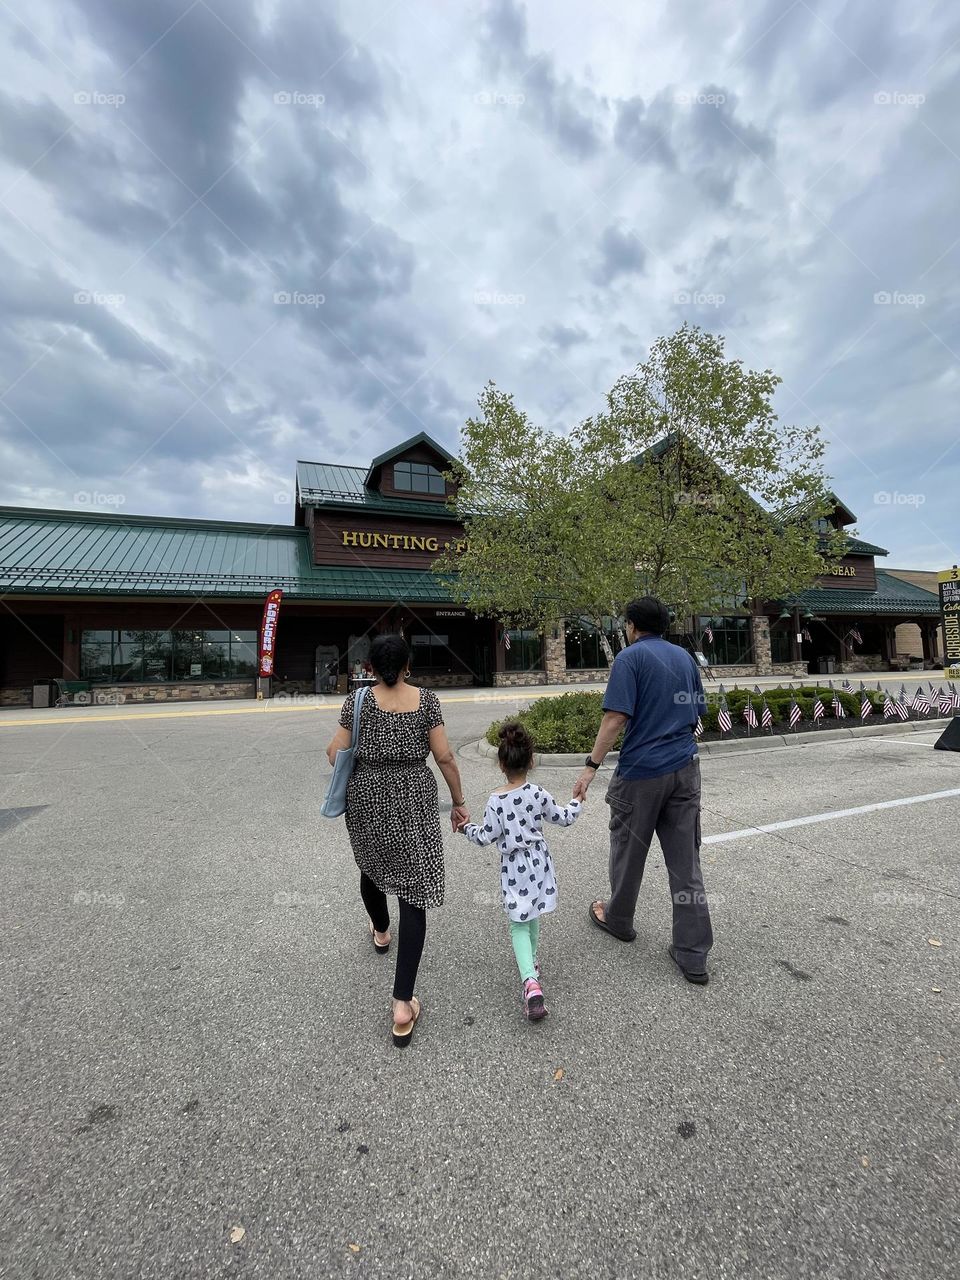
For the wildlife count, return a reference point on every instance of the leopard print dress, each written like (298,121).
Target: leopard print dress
(393,813)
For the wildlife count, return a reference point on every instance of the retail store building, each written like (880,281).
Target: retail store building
(152,609)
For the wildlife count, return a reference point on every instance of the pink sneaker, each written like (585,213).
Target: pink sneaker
(533,1007)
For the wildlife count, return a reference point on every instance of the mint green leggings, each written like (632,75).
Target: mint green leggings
(525,934)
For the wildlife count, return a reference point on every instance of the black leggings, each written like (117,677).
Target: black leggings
(413,931)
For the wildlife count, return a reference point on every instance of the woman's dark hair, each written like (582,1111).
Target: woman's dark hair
(389,656)
(648,614)
(516,747)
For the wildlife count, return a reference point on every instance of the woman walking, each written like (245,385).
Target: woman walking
(393,813)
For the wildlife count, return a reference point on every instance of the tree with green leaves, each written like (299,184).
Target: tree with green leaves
(672,490)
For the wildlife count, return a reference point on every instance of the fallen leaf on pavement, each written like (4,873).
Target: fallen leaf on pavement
(865,1161)
(237,1234)
(558,1074)
(354,1248)
(935,942)
(936,989)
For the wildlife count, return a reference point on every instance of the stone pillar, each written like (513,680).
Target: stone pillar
(555,654)
(760,633)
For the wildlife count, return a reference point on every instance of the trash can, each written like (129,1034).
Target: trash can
(827,666)
(44,693)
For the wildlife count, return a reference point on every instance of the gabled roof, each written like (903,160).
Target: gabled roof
(892,595)
(82,553)
(328,484)
(798,509)
(421,438)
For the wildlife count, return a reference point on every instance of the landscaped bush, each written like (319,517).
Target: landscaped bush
(569,722)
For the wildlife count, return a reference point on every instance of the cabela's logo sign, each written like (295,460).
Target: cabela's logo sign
(398,541)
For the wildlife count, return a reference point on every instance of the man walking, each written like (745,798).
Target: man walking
(655,695)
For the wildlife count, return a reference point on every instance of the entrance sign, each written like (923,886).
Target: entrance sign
(268,633)
(949,581)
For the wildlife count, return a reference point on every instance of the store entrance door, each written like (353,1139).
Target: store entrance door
(326,666)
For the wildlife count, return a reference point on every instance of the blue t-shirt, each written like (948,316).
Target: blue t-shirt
(657,684)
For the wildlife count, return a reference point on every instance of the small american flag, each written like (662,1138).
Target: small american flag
(819,710)
(944,701)
(698,730)
(806,633)
(708,635)
(796,715)
(856,637)
(920,703)
(749,714)
(866,707)
(847,687)
(838,708)
(955,694)
(766,716)
(724,723)
(901,704)
(506,639)
(889,710)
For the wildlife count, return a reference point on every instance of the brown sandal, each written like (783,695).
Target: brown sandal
(403,1031)
(381,947)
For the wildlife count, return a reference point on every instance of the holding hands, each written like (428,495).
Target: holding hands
(459,817)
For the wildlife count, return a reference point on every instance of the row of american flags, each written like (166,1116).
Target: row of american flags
(945,701)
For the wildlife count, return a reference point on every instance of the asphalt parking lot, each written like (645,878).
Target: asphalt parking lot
(200,1080)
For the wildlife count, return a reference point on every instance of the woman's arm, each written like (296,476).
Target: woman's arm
(447,764)
(339,742)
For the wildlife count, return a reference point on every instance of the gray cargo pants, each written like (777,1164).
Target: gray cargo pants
(670,807)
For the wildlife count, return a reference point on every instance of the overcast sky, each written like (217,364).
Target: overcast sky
(449,193)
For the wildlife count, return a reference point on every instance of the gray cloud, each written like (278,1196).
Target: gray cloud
(652,168)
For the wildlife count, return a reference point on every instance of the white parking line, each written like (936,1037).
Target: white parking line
(725,836)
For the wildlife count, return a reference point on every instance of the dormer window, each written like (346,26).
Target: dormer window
(418,477)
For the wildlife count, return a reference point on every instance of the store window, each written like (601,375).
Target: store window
(584,650)
(781,642)
(525,652)
(134,657)
(732,640)
(430,652)
(418,477)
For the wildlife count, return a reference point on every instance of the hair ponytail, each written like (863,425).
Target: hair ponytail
(389,656)
(516,747)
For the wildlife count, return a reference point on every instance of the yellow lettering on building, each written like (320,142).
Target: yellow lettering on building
(365,539)
(349,538)
(397,541)
(380,540)
(432,544)
(417,544)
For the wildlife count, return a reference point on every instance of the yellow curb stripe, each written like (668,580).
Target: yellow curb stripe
(267,708)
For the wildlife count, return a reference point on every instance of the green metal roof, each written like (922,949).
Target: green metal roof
(328,484)
(892,595)
(82,553)
(420,438)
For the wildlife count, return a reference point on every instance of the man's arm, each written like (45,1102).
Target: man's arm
(610,727)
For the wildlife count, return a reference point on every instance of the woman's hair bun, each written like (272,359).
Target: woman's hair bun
(389,655)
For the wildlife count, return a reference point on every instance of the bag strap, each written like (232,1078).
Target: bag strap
(357,708)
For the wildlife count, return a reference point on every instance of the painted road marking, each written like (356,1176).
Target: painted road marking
(725,836)
(264,708)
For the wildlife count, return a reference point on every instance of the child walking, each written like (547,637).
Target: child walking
(513,818)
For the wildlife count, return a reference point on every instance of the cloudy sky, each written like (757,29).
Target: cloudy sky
(238,233)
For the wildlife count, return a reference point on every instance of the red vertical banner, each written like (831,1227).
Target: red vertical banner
(268,633)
